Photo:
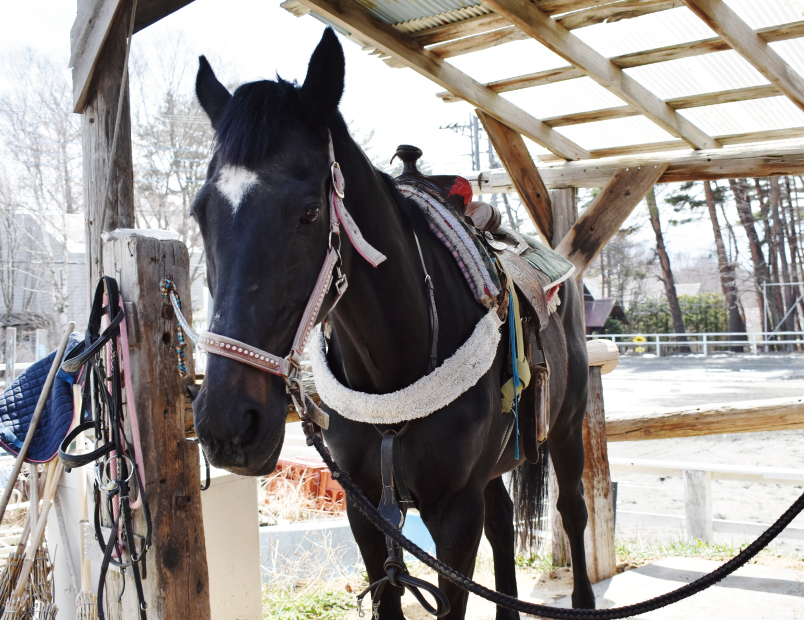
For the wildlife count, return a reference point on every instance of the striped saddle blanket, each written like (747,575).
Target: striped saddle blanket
(530,262)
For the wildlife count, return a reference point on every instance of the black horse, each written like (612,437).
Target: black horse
(264,217)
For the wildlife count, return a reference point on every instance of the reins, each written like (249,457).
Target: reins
(117,460)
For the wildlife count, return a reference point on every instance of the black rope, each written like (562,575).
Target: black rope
(503,600)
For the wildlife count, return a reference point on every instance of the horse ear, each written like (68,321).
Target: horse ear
(323,86)
(212,95)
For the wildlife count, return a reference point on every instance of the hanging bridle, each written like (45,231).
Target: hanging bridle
(289,367)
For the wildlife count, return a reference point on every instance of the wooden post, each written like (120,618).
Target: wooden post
(565,212)
(698,504)
(601,557)
(40,345)
(177,583)
(97,134)
(11,354)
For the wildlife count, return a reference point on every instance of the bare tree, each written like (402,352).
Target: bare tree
(41,183)
(667,272)
(728,282)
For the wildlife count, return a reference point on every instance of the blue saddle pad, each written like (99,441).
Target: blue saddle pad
(18,402)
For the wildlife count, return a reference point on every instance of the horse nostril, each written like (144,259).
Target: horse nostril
(252,424)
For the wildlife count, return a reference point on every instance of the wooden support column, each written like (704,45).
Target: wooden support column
(601,557)
(565,212)
(698,504)
(97,131)
(177,583)
(517,161)
(603,218)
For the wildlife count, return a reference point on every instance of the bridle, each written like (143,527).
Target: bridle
(289,367)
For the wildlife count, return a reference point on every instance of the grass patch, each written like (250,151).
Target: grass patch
(540,562)
(638,553)
(283,603)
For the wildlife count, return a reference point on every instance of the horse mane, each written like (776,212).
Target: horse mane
(250,123)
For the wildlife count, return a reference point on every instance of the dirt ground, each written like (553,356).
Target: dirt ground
(657,384)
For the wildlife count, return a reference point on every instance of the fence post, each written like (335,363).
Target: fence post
(658,350)
(41,344)
(754,344)
(11,354)
(698,504)
(177,585)
(704,345)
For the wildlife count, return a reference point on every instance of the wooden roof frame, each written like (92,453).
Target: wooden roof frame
(423,46)
(550,22)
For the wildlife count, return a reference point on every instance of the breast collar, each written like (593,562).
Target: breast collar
(288,367)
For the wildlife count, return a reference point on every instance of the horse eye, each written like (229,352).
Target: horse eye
(310,215)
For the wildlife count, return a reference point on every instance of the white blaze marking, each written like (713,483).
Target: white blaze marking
(234,182)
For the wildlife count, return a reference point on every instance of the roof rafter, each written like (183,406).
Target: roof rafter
(637,59)
(677,103)
(739,35)
(351,16)
(757,160)
(561,41)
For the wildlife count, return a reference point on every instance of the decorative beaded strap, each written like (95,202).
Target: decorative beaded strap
(236,350)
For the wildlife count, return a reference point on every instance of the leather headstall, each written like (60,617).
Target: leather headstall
(288,367)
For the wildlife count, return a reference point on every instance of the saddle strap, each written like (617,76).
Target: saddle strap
(428,281)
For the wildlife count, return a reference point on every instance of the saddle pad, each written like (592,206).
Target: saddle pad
(18,402)
(446,224)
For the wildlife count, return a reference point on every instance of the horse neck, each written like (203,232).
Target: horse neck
(381,325)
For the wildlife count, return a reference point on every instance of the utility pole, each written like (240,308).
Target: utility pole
(472,129)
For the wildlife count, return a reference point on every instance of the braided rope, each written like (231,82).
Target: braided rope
(168,290)
(558,613)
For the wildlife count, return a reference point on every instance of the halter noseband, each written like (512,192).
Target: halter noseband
(288,367)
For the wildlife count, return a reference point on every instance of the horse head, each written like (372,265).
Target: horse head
(264,218)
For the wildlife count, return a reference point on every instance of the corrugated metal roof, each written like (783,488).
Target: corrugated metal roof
(396,12)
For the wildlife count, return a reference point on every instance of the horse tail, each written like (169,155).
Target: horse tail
(529,483)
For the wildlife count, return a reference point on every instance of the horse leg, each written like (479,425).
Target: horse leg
(568,460)
(372,547)
(499,528)
(456,524)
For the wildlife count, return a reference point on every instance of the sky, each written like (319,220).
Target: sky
(256,39)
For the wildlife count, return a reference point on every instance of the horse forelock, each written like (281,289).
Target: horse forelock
(251,122)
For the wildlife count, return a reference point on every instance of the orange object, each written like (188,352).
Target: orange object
(314,479)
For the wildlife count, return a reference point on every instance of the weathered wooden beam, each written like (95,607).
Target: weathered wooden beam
(636,59)
(755,160)
(93,24)
(353,17)
(497,30)
(97,136)
(788,133)
(565,212)
(601,556)
(561,41)
(778,414)
(742,39)
(603,218)
(177,583)
(677,103)
(514,155)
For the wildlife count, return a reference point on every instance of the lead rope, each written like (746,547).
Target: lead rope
(372,514)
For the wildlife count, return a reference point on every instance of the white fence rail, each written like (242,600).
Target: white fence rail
(698,522)
(702,342)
